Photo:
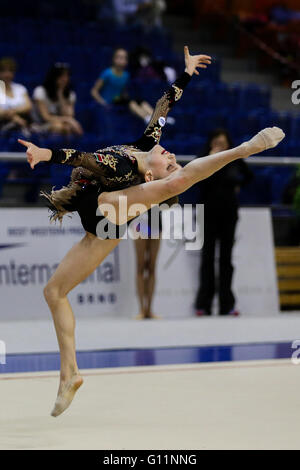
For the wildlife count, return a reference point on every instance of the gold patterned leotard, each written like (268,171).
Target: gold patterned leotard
(111,168)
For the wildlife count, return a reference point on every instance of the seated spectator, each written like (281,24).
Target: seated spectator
(15,104)
(145,66)
(147,13)
(150,13)
(54,103)
(110,88)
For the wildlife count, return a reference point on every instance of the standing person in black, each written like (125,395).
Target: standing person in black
(219,194)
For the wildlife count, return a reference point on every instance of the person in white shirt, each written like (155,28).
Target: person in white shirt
(55,102)
(15,104)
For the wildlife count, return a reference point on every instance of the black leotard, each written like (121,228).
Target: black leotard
(114,167)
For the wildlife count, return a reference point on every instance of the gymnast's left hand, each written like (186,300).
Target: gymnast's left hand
(193,62)
(35,154)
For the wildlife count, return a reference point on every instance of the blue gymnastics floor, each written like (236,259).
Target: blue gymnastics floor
(148,357)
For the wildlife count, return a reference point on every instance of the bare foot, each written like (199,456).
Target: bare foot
(147,316)
(266,139)
(152,316)
(66,395)
(140,316)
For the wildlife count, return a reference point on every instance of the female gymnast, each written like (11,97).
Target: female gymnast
(142,172)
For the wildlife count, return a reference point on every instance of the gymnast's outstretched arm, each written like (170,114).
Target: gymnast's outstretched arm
(153,132)
(99,164)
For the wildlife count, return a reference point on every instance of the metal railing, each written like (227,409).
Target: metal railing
(257,160)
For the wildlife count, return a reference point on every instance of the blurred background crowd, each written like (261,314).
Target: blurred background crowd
(89,76)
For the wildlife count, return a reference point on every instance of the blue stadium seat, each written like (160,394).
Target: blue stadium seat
(293,148)
(244,124)
(295,127)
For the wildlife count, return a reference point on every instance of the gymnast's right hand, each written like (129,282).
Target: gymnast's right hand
(35,154)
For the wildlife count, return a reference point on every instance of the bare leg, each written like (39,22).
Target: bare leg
(153,247)
(140,249)
(76,266)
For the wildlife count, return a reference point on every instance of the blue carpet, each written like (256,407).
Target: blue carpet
(148,357)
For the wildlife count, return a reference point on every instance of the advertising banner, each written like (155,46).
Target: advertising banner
(31,248)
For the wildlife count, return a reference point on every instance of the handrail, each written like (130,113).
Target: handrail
(257,160)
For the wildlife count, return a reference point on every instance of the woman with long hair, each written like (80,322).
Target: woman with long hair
(111,182)
(55,102)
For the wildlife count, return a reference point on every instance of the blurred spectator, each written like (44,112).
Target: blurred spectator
(54,103)
(144,66)
(146,250)
(15,104)
(112,84)
(147,13)
(150,13)
(219,196)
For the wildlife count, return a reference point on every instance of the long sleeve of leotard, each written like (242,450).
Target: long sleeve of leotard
(111,166)
(153,131)
(99,164)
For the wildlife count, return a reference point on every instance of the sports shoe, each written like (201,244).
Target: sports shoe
(201,313)
(234,313)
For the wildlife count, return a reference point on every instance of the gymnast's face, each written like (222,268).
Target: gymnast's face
(160,163)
